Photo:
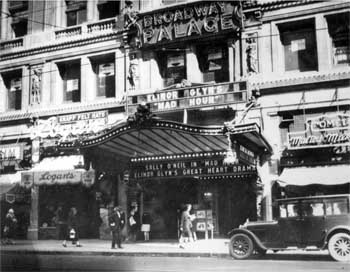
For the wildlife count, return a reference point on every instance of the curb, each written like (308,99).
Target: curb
(119,253)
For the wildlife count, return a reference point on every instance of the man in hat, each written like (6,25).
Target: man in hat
(10,226)
(116,223)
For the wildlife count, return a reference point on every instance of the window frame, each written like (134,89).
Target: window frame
(67,74)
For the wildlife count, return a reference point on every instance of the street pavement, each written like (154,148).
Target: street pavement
(166,256)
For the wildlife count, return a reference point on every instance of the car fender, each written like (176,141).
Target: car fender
(333,230)
(255,239)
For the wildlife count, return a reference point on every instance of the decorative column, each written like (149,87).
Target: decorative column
(33,229)
(4,20)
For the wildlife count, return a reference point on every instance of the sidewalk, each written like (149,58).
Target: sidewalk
(200,248)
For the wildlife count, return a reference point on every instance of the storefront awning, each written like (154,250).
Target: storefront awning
(162,138)
(323,175)
(9,181)
(59,170)
(59,163)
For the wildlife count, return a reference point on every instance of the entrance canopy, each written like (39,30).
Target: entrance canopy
(165,138)
(323,175)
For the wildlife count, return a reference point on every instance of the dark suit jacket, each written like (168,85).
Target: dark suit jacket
(116,222)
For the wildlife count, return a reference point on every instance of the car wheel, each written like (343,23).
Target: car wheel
(241,246)
(339,247)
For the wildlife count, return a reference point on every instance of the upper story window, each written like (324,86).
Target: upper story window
(104,70)
(76,12)
(338,27)
(213,60)
(19,14)
(173,66)
(299,45)
(13,84)
(70,75)
(108,9)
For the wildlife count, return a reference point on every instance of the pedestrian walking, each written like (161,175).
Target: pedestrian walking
(116,223)
(186,226)
(133,225)
(10,227)
(60,224)
(72,233)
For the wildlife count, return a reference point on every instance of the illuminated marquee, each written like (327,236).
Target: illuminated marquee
(322,131)
(207,17)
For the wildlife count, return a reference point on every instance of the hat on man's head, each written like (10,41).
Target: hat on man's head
(11,211)
(117,208)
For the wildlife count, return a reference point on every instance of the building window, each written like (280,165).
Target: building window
(13,84)
(213,62)
(76,12)
(299,44)
(104,71)
(108,9)
(173,66)
(70,74)
(19,14)
(338,27)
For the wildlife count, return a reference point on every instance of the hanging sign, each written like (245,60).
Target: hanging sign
(322,131)
(11,152)
(204,167)
(199,19)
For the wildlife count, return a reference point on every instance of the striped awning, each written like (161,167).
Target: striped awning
(162,138)
(323,175)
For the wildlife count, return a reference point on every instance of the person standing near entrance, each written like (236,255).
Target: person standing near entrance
(116,223)
(186,225)
(133,226)
(10,227)
(73,228)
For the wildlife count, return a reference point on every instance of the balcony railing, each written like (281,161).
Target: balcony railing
(68,33)
(7,45)
(102,26)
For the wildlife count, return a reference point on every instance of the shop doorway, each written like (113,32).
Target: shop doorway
(164,201)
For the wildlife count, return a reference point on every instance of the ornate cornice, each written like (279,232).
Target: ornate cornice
(60,45)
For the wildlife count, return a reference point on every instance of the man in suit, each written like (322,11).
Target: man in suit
(116,223)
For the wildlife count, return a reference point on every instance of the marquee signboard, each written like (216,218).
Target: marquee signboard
(203,167)
(322,131)
(193,19)
(192,97)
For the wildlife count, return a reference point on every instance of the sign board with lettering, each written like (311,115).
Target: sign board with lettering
(11,152)
(58,177)
(192,97)
(71,125)
(199,19)
(245,155)
(322,131)
(204,167)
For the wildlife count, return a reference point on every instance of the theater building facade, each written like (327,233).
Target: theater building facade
(220,104)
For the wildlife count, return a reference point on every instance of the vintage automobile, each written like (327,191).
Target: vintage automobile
(318,222)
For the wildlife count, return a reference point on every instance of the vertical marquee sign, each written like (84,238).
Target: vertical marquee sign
(193,19)
(322,131)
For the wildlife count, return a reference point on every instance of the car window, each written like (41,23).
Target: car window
(336,206)
(312,208)
(283,211)
(292,209)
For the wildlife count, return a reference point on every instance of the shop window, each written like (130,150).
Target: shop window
(338,27)
(70,74)
(213,63)
(76,12)
(13,84)
(173,67)
(105,76)
(19,14)
(299,45)
(108,9)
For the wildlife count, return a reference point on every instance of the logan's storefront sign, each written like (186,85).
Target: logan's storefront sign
(196,96)
(207,17)
(322,131)
(205,167)
(58,177)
